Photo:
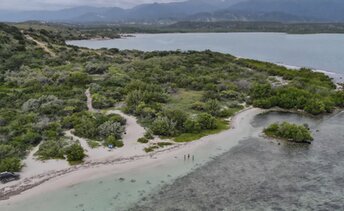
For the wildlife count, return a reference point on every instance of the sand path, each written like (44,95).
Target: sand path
(41,45)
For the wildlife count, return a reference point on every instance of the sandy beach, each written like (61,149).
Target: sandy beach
(101,162)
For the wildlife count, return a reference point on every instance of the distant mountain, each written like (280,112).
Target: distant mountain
(243,15)
(142,13)
(317,10)
(195,10)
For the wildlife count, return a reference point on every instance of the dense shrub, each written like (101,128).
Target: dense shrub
(51,150)
(111,128)
(164,126)
(290,132)
(206,121)
(75,153)
(10,164)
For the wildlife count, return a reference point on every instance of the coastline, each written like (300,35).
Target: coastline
(337,77)
(90,170)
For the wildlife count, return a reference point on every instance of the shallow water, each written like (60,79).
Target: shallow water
(316,51)
(260,174)
(257,174)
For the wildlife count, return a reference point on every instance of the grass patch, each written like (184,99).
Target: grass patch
(163,144)
(93,144)
(151,148)
(188,137)
(183,100)
(73,163)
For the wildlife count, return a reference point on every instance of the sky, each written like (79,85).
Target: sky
(60,4)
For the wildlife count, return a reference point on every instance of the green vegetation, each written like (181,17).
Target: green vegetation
(95,126)
(157,146)
(75,154)
(181,95)
(289,132)
(309,91)
(143,140)
(221,125)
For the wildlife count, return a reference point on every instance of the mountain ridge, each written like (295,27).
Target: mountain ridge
(194,10)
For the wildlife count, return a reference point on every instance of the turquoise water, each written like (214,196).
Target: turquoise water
(316,51)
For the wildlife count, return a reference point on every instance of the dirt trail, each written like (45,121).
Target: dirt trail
(41,45)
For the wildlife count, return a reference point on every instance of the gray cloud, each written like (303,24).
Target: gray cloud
(59,4)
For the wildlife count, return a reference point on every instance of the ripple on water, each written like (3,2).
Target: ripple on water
(261,175)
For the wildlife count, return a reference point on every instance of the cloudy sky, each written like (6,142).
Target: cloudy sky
(59,4)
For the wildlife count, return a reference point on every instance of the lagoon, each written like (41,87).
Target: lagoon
(316,51)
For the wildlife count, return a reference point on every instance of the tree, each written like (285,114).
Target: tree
(111,128)
(75,153)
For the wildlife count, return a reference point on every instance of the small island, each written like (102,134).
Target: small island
(290,132)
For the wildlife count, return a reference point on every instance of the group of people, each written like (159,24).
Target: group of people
(188,157)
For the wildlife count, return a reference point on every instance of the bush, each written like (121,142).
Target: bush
(149,135)
(10,164)
(75,153)
(164,126)
(213,107)
(192,126)
(207,121)
(176,116)
(315,107)
(150,149)
(198,106)
(111,128)
(111,140)
(96,68)
(290,132)
(119,144)
(143,140)
(51,150)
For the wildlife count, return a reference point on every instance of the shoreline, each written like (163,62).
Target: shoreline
(337,77)
(52,181)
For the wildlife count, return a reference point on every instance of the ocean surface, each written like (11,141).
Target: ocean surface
(316,51)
